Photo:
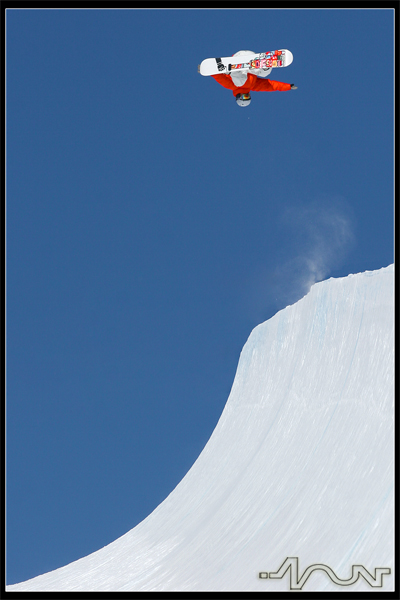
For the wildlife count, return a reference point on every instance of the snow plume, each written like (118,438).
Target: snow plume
(315,239)
(322,235)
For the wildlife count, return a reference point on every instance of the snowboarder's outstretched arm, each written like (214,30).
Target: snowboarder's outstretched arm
(253,84)
(268,85)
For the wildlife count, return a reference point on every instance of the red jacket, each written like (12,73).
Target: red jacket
(252,84)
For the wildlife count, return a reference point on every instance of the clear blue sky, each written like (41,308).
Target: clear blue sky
(151,224)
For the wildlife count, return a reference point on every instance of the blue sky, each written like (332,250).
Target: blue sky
(152,224)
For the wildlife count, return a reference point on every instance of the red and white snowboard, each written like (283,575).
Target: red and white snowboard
(250,60)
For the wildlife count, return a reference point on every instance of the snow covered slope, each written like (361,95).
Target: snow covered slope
(300,463)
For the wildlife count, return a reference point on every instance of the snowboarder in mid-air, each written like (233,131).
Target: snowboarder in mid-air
(243,82)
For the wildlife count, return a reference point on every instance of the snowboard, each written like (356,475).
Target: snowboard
(264,60)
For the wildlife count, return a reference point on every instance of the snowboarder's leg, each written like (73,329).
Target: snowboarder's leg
(261,72)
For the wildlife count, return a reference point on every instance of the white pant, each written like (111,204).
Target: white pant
(240,77)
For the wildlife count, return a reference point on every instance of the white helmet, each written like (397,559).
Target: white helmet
(243,99)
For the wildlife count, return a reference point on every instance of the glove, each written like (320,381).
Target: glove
(293,87)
